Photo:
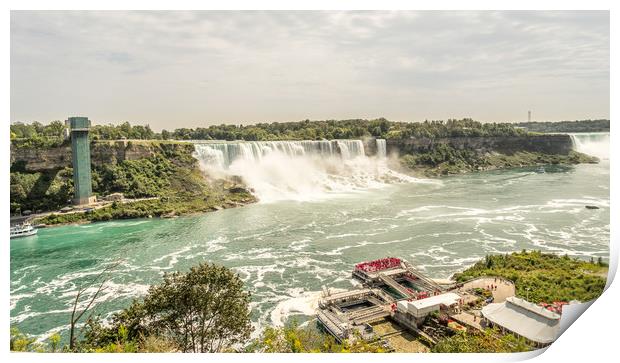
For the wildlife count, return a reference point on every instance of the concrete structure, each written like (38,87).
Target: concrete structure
(413,313)
(78,128)
(114,197)
(524,319)
(390,285)
(421,308)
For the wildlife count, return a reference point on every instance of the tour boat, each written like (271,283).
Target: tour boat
(23,230)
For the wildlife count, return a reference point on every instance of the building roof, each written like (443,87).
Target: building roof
(525,319)
(445,299)
(537,309)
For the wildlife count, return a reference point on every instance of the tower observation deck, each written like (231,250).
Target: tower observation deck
(78,128)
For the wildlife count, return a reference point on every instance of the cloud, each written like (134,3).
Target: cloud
(177,68)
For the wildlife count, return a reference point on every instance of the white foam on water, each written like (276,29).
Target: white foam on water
(173,258)
(258,272)
(595,144)
(297,302)
(299,245)
(15,298)
(300,170)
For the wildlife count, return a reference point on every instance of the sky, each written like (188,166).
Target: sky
(187,69)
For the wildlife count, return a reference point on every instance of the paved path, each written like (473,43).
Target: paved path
(468,319)
(504,289)
(76,209)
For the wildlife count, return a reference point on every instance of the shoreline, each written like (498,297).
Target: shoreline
(125,212)
(190,214)
(426,172)
(465,164)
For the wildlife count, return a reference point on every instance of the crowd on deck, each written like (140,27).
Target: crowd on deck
(379,265)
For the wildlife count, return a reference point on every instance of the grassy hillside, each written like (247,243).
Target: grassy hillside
(544,277)
(444,160)
(170,174)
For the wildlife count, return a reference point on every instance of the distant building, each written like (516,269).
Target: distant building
(525,319)
(413,313)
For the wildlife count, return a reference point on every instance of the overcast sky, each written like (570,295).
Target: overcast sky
(187,69)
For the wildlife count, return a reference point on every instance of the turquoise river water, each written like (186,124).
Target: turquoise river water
(287,250)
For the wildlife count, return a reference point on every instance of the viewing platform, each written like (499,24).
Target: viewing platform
(394,293)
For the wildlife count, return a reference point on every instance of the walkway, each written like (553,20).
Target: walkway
(504,290)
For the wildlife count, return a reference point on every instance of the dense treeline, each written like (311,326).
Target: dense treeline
(36,134)
(347,129)
(567,126)
(40,191)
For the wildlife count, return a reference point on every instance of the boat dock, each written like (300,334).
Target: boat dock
(384,283)
(392,290)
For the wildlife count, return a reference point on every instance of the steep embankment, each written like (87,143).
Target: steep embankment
(166,171)
(41,177)
(441,156)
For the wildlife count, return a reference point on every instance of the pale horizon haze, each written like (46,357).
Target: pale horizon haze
(175,69)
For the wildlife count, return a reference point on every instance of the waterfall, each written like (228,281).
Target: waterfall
(381,148)
(223,154)
(594,143)
(298,170)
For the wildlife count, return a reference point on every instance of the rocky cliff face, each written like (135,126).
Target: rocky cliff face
(102,152)
(34,159)
(548,144)
(111,152)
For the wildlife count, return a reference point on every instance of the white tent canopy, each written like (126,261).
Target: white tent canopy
(525,319)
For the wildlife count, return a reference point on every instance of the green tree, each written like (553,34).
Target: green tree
(542,277)
(292,338)
(488,342)
(204,310)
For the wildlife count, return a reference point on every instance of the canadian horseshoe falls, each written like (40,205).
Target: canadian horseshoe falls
(324,206)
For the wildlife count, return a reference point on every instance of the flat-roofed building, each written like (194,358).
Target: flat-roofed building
(412,313)
(525,319)
(423,307)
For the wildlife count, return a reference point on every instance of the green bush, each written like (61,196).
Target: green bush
(543,277)
(292,338)
(203,310)
(487,342)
